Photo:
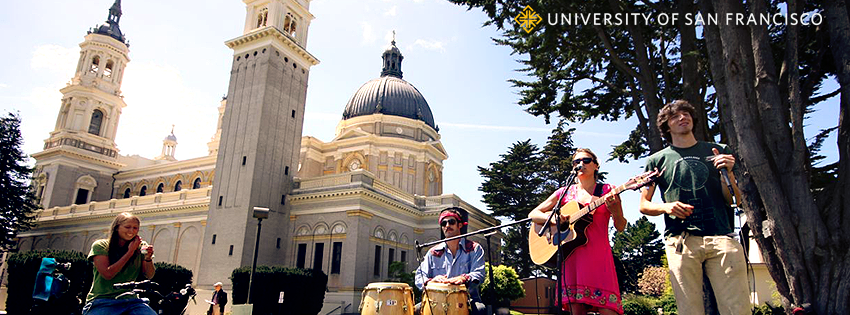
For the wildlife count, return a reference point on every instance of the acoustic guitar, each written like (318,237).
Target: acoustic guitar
(571,234)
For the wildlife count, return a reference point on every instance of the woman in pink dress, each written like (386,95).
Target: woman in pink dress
(589,280)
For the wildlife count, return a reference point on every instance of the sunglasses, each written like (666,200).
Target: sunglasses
(448,222)
(586,160)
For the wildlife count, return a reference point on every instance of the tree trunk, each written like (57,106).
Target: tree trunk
(838,21)
(716,63)
(645,76)
(801,251)
(690,69)
(754,161)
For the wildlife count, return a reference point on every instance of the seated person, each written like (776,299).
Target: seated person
(459,261)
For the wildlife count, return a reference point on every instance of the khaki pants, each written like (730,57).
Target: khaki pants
(216,310)
(723,261)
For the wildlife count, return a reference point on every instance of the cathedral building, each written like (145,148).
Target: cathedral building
(349,206)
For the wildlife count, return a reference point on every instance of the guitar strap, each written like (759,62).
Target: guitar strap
(598,190)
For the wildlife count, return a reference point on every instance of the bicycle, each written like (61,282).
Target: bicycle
(49,292)
(173,303)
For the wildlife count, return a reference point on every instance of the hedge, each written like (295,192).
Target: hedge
(304,289)
(22,268)
(171,277)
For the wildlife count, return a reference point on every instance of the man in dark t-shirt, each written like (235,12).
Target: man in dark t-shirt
(697,217)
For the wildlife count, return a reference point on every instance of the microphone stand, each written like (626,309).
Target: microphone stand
(556,212)
(490,270)
(485,230)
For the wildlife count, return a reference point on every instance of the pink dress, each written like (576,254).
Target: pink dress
(589,274)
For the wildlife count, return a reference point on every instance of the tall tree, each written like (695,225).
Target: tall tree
(17,201)
(556,154)
(635,248)
(765,80)
(512,187)
(803,244)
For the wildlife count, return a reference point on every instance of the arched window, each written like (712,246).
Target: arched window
(289,23)
(197,183)
(107,72)
(95,64)
(178,186)
(127,193)
(96,121)
(144,191)
(160,187)
(262,17)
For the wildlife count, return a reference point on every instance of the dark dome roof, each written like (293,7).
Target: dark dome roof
(389,95)
(111,27)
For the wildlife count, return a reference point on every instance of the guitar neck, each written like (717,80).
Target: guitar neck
(596,203)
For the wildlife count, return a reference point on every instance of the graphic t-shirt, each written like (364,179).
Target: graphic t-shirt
(690,177)
(102,288)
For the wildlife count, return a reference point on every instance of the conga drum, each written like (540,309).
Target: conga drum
(445,299)
(386,298)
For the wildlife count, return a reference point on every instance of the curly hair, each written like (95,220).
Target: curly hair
(670,110)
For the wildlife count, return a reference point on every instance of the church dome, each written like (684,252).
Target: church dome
(390,94)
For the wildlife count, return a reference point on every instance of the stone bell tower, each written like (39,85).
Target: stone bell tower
(80,156)
(260,138)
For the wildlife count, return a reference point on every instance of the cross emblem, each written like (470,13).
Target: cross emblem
(528,19)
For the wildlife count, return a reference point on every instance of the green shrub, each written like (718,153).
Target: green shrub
(508,287)
(171,277)
(22,268)
(637,308)
(304,289)
(767,309)
(668,304)
(639,305)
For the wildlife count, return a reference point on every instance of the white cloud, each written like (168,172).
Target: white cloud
(55,58)
(156,98)
(3,86)
(433,44)
(369,36)
(392,11)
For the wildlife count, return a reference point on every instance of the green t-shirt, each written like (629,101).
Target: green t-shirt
(102,288)
(691,178)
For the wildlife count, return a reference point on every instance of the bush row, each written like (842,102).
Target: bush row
(304,289)
(23,267)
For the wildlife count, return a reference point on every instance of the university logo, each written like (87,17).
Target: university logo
(528,19)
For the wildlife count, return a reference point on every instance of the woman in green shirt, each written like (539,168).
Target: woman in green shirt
(121,258)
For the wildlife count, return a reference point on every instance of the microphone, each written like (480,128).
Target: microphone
(578,168)
(725,173)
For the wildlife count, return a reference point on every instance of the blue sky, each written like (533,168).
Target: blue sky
(179,70)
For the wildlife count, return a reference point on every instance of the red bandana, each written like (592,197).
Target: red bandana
(449,214)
